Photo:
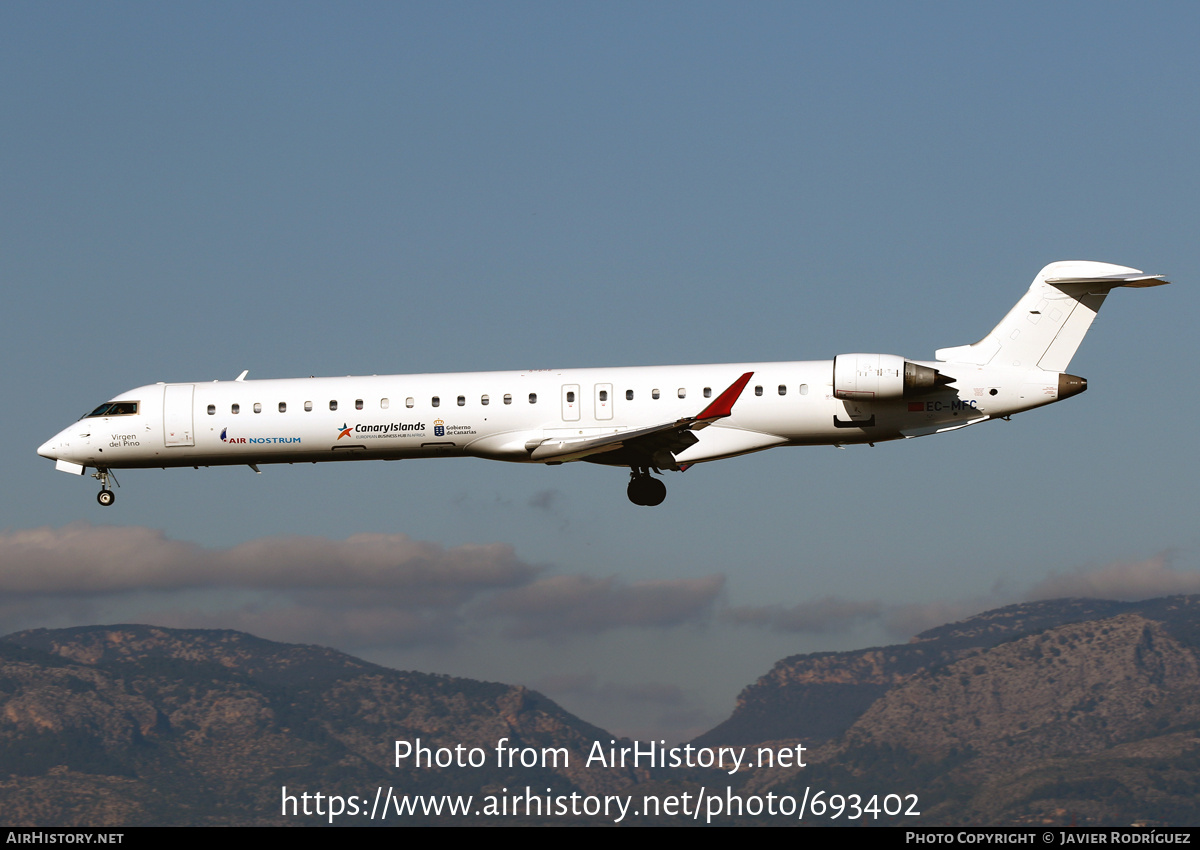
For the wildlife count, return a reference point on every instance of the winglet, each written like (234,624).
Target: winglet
(722,406)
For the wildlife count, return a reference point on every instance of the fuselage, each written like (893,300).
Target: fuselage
(646,418)
(504,415)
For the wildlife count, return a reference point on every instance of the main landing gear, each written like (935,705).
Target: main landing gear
(644,489)
(105,497)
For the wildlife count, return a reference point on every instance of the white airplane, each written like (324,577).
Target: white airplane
(644,418)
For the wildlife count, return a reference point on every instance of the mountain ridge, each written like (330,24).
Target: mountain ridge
(1063,711)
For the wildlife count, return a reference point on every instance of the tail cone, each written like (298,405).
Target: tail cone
(1069,385)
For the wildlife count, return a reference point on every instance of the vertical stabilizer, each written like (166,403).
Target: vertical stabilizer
(1047,325)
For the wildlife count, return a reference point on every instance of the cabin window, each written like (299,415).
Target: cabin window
(533,398)
(308,407)
(782,389)
(629,395)
(358,404)
(332,404)
(436,401)
(462,399)
(604,395)
(212,410)
(570,397)
(235,408)
(257,407)
(653,393)
(383,404)
(484,400)
(409,402)
(682,392)
(708,392)
(283,407)
(804,389)
(758,390)
(507,398)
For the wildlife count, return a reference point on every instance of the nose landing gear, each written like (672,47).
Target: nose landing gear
(644,489)
(105,497)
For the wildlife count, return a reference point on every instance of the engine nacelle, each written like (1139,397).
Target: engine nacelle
(868,377)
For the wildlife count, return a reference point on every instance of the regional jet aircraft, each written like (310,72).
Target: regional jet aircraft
(647,419)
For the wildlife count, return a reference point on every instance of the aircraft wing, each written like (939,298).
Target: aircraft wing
(658,443)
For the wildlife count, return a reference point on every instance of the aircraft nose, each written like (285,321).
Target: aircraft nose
(49,448)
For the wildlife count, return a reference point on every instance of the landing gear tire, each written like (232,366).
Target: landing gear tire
(646,491)
(105,497)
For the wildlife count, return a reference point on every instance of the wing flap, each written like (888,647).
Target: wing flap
(565,449)
(925,431)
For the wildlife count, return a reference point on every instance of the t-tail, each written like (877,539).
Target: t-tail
(1045,328)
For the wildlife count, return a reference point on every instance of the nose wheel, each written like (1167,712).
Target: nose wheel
(646,490)
(105,497)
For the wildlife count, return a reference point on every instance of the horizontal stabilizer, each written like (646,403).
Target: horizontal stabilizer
(1137,280)
(1047,325)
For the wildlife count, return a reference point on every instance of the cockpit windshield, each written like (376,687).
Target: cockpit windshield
(114,408)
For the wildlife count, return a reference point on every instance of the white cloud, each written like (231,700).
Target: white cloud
(560,605)
(82,559)
(366,590)
(1122,580)
(821,616)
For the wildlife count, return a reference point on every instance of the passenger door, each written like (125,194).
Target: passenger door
(177,415)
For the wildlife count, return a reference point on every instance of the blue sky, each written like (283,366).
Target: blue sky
(296,189)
